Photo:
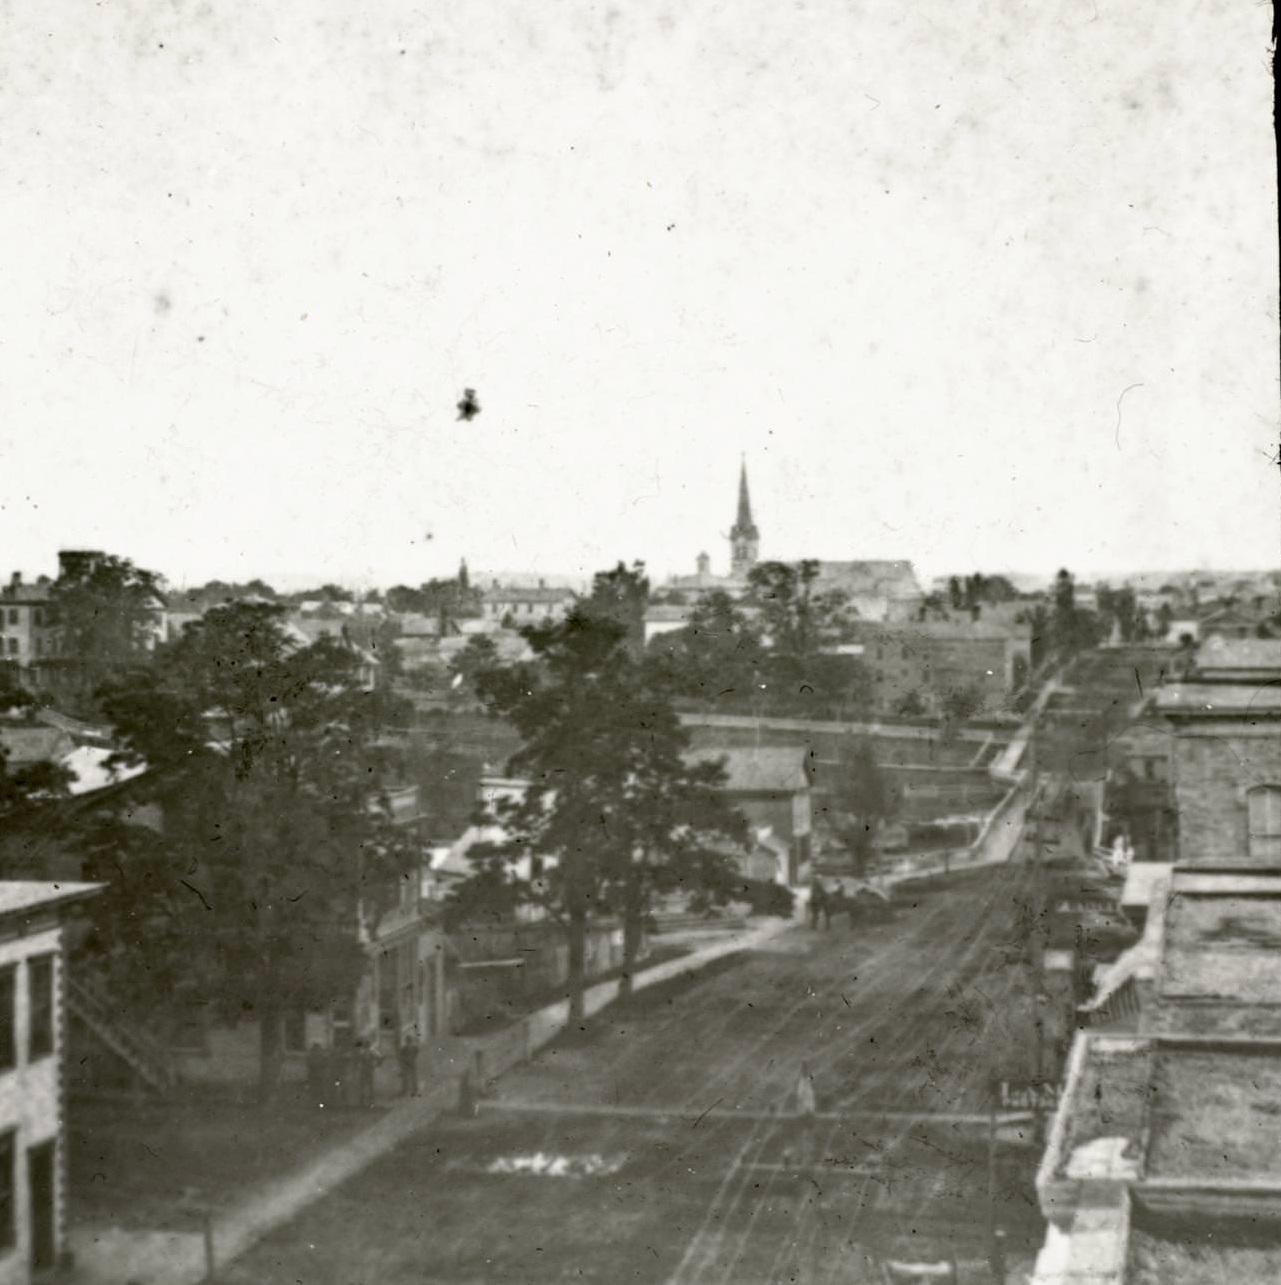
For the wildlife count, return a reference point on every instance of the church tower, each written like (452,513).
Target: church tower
(744,538)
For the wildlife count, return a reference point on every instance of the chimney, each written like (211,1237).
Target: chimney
(542,584)
(15,580)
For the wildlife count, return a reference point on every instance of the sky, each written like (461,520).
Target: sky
(983,284)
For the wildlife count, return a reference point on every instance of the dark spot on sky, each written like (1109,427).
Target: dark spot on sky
(200,339)
(468,407)
(162,302)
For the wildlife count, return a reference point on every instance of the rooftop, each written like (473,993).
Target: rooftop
(24,898)
(1215,1115)
(1210,1258)
(1218,654)
(1234,700)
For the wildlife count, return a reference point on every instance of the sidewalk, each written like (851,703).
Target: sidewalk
(109,1256)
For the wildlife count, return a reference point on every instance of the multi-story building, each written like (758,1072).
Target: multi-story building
(1161,1163)
(33,1159)
(526,604)
(30,640)
(933,658)
(1226,756)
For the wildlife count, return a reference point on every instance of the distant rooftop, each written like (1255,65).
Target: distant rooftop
(1204,700)
(1226,655)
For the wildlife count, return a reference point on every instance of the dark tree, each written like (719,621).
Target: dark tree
(109,612)
(279,847)
(718,657)
(860,797)
(611,812)
(622,595)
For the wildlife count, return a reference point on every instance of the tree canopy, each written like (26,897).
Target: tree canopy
(109,613)
(611,812)
(278,841)
(860,795)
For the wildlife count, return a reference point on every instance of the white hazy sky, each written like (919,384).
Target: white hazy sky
(980,283)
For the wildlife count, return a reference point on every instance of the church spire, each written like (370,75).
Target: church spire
(743,535)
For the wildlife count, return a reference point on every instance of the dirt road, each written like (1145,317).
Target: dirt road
(662,1144)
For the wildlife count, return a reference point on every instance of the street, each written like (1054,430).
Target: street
(661,1143)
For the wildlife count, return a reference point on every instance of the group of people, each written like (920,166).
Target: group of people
(345,1076)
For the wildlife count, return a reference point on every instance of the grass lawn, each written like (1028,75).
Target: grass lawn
(131,1163)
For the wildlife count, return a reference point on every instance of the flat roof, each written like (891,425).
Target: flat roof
(23,897)
(1210,700)
(1193,1259)
(1213,1113)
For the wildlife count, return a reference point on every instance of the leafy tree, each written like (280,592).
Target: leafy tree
(910,705)
(718,656)
(860,797)
(1072,628)
(108,611)
(613,814)
(478,657)
(959,705)
(954,594)
(797,619)
(622,595)
(279,847)
(1164,619)
(27,788)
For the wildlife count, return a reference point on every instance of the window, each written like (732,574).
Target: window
(8,1181)
(8,1037)
(38,615)
(13,615)
(40,1006)
(1264,807)
(1149,769)
(13,646)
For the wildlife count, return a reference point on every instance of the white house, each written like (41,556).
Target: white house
(33,1161)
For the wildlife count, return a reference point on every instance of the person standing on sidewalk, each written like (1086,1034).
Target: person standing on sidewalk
(408,1059)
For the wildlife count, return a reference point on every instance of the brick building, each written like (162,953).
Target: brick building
(933,658)
(1226,762)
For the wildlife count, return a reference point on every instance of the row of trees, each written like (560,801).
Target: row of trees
(775,649)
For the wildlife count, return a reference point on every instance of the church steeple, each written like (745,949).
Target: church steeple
(744,538)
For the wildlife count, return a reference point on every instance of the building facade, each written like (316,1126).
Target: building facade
(33,1160)
(933,658)
(526,604)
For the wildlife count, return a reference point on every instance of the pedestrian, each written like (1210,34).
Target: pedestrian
(366,1063)
(806,1107)
(408,1058)
(819,904)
